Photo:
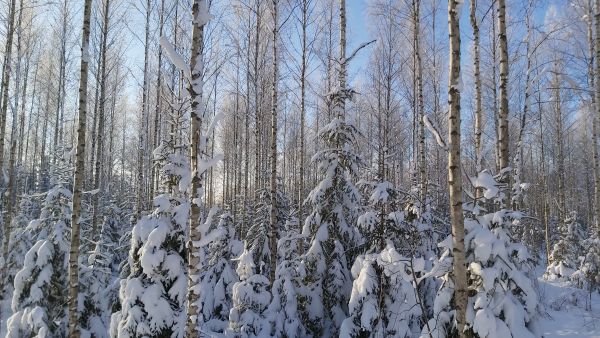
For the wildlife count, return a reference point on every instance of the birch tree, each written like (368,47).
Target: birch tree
(6,73)
(79,176)
(419,101)
(200,18)
(454,171)
(273,178)
(305,7)
(503,115)
(101,116)
(476,74)
(144,116)
(597,85)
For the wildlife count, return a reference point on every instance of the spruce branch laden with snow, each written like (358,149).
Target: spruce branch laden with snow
(503,301)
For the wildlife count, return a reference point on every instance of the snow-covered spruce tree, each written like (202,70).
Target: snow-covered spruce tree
(419,231)
(251,298)
(218,276)
(257,239)
(330,227)
(288,288)
(119,253)
(384,300)
(249,316)
(99,286)
(21,240)
(588,275)
(502,299)
(564,257)
(291,244)
(153,295)
(412,224)
(39,303)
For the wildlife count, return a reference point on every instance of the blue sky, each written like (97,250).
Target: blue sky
(358,32)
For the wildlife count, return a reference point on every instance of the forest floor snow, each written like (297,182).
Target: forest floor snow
(566,314)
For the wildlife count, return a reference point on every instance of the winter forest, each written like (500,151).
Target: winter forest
(299,168)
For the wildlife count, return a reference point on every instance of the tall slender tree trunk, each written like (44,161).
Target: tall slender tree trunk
(43,163)
(9,197)
(195,90)
(454,172)
(595,113)
(342,56)
(93,137)
(5,84)
(494,48)
(23,114)
(257,107)
(79,176)
(420,102)
(302,111)
(381,153)
(36,143)
(144,118)
(504,114)
(597,97)
(544,180)
(274,89)
(123,143)
(174,115)
(478,109)
(6,200)
(518,159)
(236,127)
(111,145)
(157,130)
(437,88)
(211,195)
(22,136)
(30,129)
(560,156)
(101,122)
(60,97)
(247,135)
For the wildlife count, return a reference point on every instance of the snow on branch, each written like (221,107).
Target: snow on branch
(175,57)
(486,181)
(353,54)
(213,124)
(203,16)
(440,141)
(205,164)
(215,121)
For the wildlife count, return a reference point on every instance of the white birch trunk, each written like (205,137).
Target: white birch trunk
(454,172)
(79,176)
(101,116)
(503,114)
(274,89)
(6,81)
(478,108)
(597,99)
(195,90)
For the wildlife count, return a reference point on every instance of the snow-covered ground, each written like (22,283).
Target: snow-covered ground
(567,316)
